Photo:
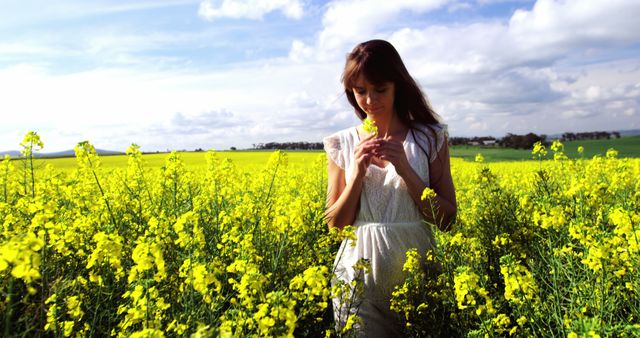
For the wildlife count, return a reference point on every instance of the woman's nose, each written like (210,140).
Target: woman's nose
(370,98)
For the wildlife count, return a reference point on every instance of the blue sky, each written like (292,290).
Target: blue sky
(186,74)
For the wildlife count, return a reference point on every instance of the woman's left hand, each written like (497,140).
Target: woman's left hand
(392,151)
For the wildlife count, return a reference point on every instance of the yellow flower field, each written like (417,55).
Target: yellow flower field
(539,248)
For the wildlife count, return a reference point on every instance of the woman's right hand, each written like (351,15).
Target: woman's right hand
(363,154)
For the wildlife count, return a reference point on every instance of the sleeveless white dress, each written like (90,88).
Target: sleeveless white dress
(387,224)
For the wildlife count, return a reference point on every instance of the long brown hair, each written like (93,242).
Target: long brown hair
(379,62)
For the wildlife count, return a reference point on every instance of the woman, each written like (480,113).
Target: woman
(376,182)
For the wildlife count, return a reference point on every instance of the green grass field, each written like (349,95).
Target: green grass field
(628,146)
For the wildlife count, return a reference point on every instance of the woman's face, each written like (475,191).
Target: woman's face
(375,100)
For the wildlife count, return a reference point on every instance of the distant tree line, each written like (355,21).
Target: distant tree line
(527,141)
(509,141)
(521,141)
(289,146)
(594,135)
(476,140)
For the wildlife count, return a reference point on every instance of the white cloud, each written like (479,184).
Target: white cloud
(562,25)
(300,99)
(156,109)
(577,113)
(540,36)
(492,2)
(249,9)
(630,111)
(300,52)
(29,12)
(347,22)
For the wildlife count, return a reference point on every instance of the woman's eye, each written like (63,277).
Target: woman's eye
(359,91)
(381,90)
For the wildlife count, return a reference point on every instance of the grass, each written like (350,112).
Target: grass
(628,146)
(491,154)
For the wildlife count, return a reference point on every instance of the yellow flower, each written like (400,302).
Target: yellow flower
(148,333)
(30,143)
(73,307)
(352,321)
(468,292)
(428,193)
(370,126)
(68,328)
(519,282)
(502,322)
(522,320)
(611,153)
(557,146)
(539,150)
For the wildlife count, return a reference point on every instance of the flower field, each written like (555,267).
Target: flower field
(540,248)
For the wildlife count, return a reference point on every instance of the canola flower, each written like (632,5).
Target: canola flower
(479,158)
(545,248)
(370,126)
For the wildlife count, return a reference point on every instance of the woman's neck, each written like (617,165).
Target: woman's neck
(389,126)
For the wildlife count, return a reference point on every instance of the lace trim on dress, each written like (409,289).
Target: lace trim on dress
(333,147)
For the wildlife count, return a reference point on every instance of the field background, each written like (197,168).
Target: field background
(628,146)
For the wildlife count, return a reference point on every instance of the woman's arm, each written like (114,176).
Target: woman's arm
(343,198)
(443,207)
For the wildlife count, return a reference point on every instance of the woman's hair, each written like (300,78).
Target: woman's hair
(379,62)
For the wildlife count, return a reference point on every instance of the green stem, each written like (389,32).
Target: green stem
(33,182)
(4,185)
(9,310)
(43,272)
(603,295)
(95,176)
(175,193)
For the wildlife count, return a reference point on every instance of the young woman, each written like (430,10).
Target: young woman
(376,182)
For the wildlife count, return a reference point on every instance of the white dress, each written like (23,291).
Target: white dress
(388,223)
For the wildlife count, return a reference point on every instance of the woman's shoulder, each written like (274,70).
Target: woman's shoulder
(337,144)
(431,137)
(339,138)
(433,127)
(432,131)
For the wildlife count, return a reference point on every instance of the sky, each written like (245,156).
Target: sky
(215,74)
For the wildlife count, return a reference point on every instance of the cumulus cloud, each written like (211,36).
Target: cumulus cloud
(300,52)
(562,25)
(300,100)
(249,9)
(347,22)
(310,118)
(203,123)
(577,113)
(536,37)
